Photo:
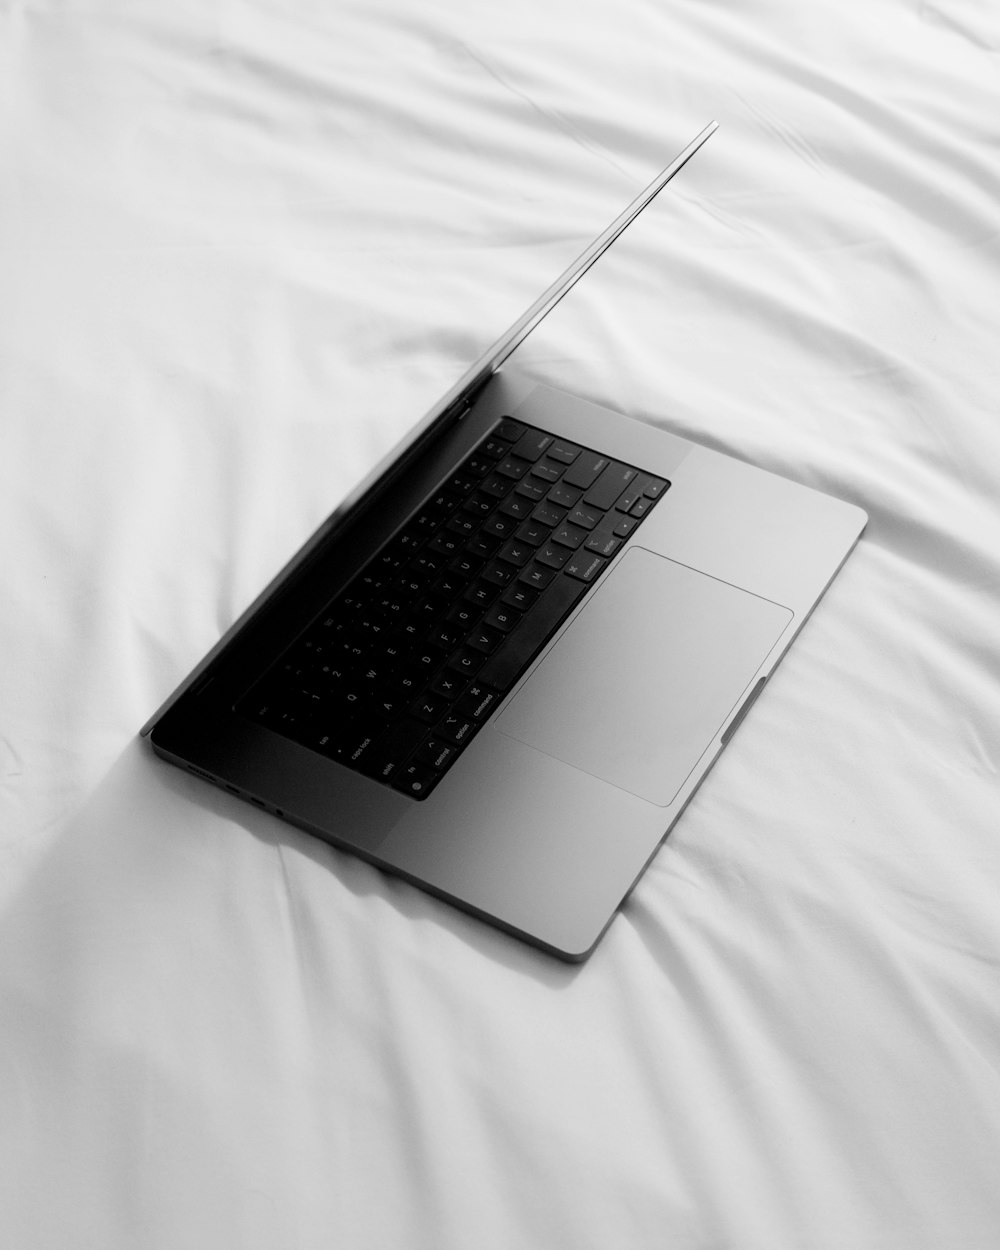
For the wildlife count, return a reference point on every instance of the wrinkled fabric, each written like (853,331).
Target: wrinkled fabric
(243,247)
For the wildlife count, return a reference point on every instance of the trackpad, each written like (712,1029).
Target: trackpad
(656,662)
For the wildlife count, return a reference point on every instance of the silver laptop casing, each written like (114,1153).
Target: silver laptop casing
(539,833)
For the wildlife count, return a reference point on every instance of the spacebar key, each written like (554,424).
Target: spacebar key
(507,663)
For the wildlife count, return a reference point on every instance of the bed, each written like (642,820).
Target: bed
(243,247)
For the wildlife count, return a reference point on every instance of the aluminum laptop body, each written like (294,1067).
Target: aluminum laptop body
(681,595)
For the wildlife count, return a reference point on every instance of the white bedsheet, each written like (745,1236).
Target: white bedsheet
(244,245)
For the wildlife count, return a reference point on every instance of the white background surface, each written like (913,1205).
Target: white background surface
(242,247)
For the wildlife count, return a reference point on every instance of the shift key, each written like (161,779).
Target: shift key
(609,486)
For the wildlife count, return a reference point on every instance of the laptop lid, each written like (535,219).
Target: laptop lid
(453,404)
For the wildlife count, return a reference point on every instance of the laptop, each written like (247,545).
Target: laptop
(502,667)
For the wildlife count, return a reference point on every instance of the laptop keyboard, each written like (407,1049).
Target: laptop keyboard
(399,672)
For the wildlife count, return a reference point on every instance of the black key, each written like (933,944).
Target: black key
(569,536)
(502,617)
(450,584)
(327,738)
(457,728)
(536,577)
(481,548)
(388,562)
(295,674)
(507,663)
(516,506)
(585,565)
(397,648)
(427,660)
(315,649)
(416,780)
(325,734)
(350,654)
(390,703)
(553,556)
(532,445)
(563,496)
(498,574)
(497,487)
(510,430)
(528,488)
(477,466)
(585,470)
(447,685)
(584,516)
(467,662)
(410,539)
(629,495)
(329,676)
(609,485)
(357,746)
(371,624)
(464,615)
(447,636)
(479,505)
(517,552)
(407,633)
(432,608)
(520,597)
(565,453)
(640,508)
(402,683)
(547,472)
(534,533)
(427,522)
(462,524)
(513,468)
(409,586)
(485,639)
(481,595)
(443,503)
(545,514)
(427,708)
(445,544)
(462,484)
(378,670)
(656,487)
(603,544)
(288,716)
(388,754)
(478,701)
(495,448)
(625,526)
(466,565)
(427,562)
(498,526)
(436,754)
(361,591)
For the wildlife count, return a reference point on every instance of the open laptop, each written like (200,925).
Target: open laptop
(502,667)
